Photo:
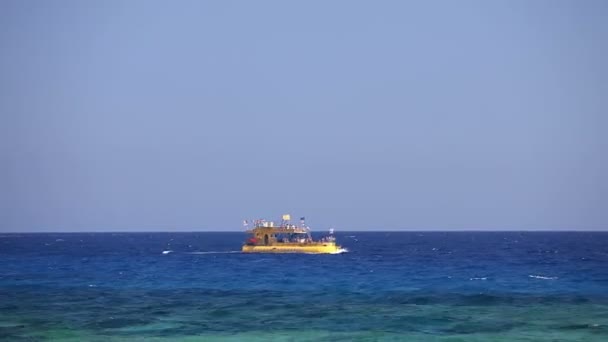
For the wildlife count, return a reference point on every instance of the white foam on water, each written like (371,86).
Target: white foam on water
(340,251)
(541,277)
(167,251)
(479,278)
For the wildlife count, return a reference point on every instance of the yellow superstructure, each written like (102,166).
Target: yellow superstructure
(287,238)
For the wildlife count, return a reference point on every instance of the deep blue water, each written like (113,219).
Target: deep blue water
(389,286)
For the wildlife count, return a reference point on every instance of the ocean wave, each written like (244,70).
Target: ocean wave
(167,251)
(479,278)
(541,277)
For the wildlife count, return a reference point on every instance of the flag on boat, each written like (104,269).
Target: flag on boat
(286,217)
(302,218)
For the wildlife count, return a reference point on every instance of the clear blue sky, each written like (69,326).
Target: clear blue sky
(195,115)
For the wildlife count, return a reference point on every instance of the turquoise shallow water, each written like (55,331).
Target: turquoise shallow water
(389,287)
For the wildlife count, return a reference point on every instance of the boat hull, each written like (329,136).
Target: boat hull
(325,248)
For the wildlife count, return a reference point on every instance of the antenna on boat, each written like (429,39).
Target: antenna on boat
(302,219)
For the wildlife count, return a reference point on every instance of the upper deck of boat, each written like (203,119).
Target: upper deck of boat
(279,230)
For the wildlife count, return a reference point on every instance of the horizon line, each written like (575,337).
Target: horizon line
(313,231)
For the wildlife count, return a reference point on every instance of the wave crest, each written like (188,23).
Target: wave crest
(541,277)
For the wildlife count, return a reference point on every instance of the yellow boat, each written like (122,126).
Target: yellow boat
(287,238)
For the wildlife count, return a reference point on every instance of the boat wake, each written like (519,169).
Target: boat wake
(214,252)
(340,251)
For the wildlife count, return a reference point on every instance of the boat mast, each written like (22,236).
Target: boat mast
(285,222)
(303,225)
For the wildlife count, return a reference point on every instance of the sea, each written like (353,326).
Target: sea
(386,286)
